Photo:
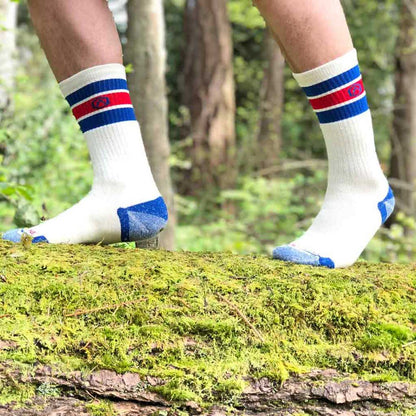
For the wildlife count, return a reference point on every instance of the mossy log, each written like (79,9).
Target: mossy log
(90,330)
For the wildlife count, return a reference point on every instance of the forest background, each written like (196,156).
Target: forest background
(219,107)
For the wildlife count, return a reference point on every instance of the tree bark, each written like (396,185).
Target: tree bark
(268,142)
(146,52)
(8,17)
(209,94)
(403,158)
(320,392)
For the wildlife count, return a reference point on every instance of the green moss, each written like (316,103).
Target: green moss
(175,392)
(179,316)
(399,409)
(385,336)
(17,393)
(102,408)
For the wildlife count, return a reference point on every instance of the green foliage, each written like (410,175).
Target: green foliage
(45,166)
(394,244)
(48,390)
(376,46)
(173,316)
(265,213)
(243,14)
(19,197)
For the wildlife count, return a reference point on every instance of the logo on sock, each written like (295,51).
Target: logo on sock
(355,90)
(338,98)
(100,102)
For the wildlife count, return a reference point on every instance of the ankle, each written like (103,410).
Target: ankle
(361,187)
(124,192)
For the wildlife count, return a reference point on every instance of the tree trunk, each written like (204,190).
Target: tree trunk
(146,51)
(403,159)
(268,142)
(209,94)
(8,15)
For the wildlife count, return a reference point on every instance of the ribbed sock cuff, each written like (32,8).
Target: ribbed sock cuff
(90,75)
(326,71)
(99,96)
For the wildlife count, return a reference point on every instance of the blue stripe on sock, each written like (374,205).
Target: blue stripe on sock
(107,117)
(344,112)
(332,83)
(95,88)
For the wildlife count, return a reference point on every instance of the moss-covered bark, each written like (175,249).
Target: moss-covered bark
(188,331)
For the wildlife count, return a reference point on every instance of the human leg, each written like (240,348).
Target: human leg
(315,39)
(82,46)
(76,34)
(311,33)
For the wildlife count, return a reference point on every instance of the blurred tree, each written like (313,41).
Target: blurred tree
(403,138)
(209,94)
(145,51)
(271,105)
(8,17)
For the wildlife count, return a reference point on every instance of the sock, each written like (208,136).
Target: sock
(124,203)
(358,198)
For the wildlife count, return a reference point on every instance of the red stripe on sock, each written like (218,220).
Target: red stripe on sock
(100,102)
(338,97)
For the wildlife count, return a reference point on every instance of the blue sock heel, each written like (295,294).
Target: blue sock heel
(386,206)
(143,221)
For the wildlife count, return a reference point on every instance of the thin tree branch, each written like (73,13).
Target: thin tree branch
(242,316)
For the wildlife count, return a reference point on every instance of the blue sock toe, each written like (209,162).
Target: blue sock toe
(295,255)
(13,235)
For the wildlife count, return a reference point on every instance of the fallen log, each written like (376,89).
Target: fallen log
(107,331)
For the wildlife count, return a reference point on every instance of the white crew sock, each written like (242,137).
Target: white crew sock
(358,198)
(124,203)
